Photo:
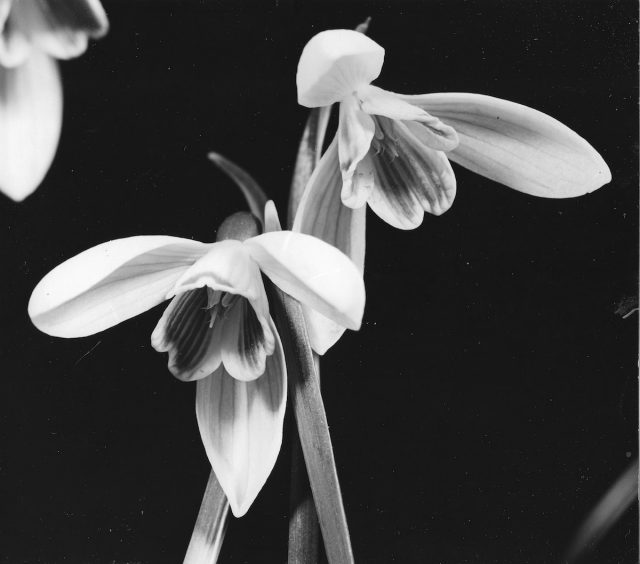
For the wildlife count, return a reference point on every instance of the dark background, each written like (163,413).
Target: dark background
(490,398)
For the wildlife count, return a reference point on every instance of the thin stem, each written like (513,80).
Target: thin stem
(304,529)
(304,392)
(211,525)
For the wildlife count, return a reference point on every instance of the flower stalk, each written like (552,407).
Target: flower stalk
(211,525)
(313,429)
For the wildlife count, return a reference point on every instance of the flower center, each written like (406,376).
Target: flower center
(219,304)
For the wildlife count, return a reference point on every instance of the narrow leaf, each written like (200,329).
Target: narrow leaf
(255,196)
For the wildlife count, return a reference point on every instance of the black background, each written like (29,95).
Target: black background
(491,396)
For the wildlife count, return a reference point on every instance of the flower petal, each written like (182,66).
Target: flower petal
(518,146)
(334,64)
(246,342)
(110,283)
(322,215)
(355,132)
(30,121)
(186,333)
(409,176)
(62,27)
(14,41)
(241,427)
(433,133)
(313,272)
(227,266)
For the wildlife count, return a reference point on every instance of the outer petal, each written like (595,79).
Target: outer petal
(313,272)
(434,133)
(110,283)
(62,27)
(518,146)
(241,427)
(355,132)
(409,176)
(322,215)
(185,332)
(227,266)
(30,120)
(334,64)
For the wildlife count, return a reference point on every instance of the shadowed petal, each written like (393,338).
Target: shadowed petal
(409,176)
(322,214)
(517,146)
(335,63)
(14,40)
(186,333)
(355,132)
(313,272)
(62,27)
(432,132)
(30,121)
(241,427)
(110,283)
(246,342)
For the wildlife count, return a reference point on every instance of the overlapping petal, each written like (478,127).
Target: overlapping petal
(517,146)
(355,132)
(321,214)
(333,64)
(30,122)
(431,131)
(110,283)
(313,272)
(241,427)
(14,41)
(409,176)
(186,333)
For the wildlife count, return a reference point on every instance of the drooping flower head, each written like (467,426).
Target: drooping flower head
(393,150)
(217,328)
(33,33)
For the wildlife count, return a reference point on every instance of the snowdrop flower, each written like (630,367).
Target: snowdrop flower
(33,33)
(392,151)
(217,328)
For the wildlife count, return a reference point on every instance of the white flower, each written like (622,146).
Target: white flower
(33,33)
(392,151)
(217,328)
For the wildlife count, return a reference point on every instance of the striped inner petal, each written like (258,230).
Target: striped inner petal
(409,176)
(246,342)
(187,331)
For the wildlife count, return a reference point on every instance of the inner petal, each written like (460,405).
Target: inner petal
(409,176)
(246,342)
(187,331)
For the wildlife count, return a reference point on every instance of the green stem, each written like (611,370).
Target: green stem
(210,527)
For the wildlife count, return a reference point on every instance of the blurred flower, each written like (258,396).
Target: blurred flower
(393,150)
(217,328)
(33,33)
